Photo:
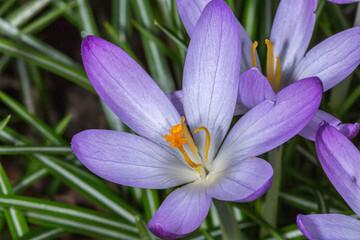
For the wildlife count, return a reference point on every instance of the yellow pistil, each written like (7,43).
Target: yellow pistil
(278,74)
(253,49)
(207,140)
(176,140)
(270,61)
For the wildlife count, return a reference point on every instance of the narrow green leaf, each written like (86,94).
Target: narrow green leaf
(14,218)
(150,202)
(23,75)
(20,150)
(47,18)
(179,43)
(69,72)
(250,18)
(43,233)
(61,126)
(5,6)
(259,220)
(4,122)
(156,61)
(14,33)
(272,196)
(228,223)
(28,180)
(40,126)
(66,211)
(143,230)
(26,11)
(87,18)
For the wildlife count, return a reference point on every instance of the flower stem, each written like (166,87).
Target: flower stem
(228,223)
(272,196)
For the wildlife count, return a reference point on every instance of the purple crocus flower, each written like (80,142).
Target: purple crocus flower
(340,161)
(165,154)
(331,60)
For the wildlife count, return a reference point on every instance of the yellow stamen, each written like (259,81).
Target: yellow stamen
(253,49)
(278,74)
(207,140)
(176,140)
(270,61)
(187,135)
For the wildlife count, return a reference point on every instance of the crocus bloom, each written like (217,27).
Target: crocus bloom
(165,153)
(332,60)
(340,161)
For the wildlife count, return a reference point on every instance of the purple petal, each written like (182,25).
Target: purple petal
(309,131)
(348,129)
(127,89)
(291,32)
(210,74)
(329,227)
(254,88)
(190,11)
(177,100)
(181,213)
(343,1)
(245,181)
(130,160)
(332,60)
(340,161)
(270,124)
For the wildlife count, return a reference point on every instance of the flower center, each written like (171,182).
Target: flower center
(177,140)
(269,64)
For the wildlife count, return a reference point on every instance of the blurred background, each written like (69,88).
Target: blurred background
(46,98)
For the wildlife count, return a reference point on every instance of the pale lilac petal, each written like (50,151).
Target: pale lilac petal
(177,100)
(254,88)
(190,11)
(127,89)
(291,33)
(343,1)
(270,124)
(329,227)
(245,181)
(181,213)
(130,160)
(240,109)
(332,60)
(348,129)
(340,161)
(309,131)
(211,72)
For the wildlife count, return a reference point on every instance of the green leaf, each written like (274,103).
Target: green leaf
(26,11)
(20,150)
(87,18)
(259,220)
(69,72)
(4,122)
(14,218)
(179,43)
(32,120)
(156,61)
(143,230)
(29,179)
(43,233)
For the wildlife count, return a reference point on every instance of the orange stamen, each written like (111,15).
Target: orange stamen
(270,61)
(207,140)
(253,49)
(278,74)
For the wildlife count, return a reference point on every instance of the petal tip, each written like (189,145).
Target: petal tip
(301,225)
(158,230)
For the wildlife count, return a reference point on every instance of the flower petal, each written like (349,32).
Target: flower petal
(270,124)
(340,161)
(343,1)
(127,89)
(309,131)
(254,88)
(332,60)
(176,98)
(190,11)
(130,160)
(329,227)
(181,213)
(210,74)
(245,181)
(291,33)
